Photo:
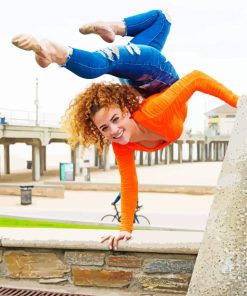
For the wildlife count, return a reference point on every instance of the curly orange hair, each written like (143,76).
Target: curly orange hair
(77,120)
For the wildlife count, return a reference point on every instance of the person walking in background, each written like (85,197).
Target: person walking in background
(147,114)
(2,119)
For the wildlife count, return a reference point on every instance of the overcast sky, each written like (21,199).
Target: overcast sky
(208,35)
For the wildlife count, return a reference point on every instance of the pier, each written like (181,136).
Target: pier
(199,146)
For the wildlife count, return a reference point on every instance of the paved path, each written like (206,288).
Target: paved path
(197,173)
(166,210)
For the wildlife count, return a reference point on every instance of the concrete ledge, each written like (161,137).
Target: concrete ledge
(152,262)
(38,190)
(182,189)
(177,242)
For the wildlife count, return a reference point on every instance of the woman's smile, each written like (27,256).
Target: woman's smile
(120,134)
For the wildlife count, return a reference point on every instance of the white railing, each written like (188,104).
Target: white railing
(24,117)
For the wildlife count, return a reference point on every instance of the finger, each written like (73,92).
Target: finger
(115,243)
(104,238)
(110,244)
(127,238)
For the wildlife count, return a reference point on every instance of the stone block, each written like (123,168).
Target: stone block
(177,284)
(101,278)
(124,261)
(28,265)
(172,266)
(53,281)
(85,258)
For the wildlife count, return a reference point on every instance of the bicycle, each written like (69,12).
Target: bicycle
(139,219)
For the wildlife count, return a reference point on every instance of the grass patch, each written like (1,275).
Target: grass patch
(26,223)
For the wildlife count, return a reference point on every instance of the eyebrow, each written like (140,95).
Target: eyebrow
(110,120)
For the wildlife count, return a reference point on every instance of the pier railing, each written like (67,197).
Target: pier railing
(28,118)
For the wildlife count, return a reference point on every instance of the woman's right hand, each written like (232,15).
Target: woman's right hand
(114,240)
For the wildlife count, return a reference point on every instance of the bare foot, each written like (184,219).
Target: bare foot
(100,28)
(46,51)
(106,30)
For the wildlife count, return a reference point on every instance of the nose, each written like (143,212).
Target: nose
(113,129)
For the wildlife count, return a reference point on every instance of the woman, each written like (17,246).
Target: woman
(117,113)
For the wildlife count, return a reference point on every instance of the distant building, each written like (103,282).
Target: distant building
(220,120)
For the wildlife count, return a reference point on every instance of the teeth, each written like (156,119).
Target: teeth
(118,136)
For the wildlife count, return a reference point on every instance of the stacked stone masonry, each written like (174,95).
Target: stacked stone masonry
(168,274)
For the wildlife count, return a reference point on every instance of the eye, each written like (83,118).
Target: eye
(115,120)
(104,129)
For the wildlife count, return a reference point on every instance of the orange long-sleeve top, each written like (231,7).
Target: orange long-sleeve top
(164,114)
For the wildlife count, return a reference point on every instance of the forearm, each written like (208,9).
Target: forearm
(129,195)
(129,185)
(128,206)
(181,91)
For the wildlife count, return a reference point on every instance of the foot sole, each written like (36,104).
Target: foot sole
(26,42)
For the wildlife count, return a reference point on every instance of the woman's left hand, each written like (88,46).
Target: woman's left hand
(113,240)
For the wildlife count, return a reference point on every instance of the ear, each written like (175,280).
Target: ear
(127,112)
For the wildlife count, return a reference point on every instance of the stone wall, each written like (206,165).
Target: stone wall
(152,263)
(152,272)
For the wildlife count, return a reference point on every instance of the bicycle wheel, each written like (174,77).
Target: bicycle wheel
(109,218)
(142,220)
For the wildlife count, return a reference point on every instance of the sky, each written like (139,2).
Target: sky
(207,35)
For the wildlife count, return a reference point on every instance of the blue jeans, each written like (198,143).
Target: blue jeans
(140,62)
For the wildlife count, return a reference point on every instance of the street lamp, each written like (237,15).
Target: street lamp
(36,102)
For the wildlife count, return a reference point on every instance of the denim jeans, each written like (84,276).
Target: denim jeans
(139,62)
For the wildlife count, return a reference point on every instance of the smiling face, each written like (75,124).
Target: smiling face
(114,124)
